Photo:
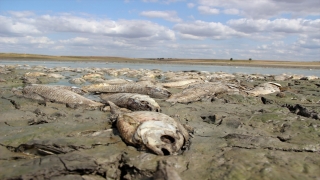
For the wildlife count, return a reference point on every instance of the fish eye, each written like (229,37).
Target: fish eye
(167,139)
(144,102)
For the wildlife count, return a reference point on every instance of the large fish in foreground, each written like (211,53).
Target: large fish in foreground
(151,90)
(152,131)
(132,101)
(57,94)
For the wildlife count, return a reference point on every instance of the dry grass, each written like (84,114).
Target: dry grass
(223,62)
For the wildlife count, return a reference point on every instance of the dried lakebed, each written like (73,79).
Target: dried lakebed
(235,132)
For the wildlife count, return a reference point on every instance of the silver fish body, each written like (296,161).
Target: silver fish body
(152,91)
(154,131)
(132,101)
(57,94)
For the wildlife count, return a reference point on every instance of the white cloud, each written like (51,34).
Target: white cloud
(8,40)
(208,10)
(76,40)
(87,35)
(232,11)
(26,40)
(202,29)
(190,5)
(167,15)
(15,26)
(288,26)
(12,27)
(308,43)
(38,40)
(267,8)
(190,36)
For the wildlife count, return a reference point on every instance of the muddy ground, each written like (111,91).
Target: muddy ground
(275,136)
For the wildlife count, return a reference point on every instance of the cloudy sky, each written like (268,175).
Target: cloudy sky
(241,29)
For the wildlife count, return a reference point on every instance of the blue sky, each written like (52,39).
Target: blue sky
(215,29)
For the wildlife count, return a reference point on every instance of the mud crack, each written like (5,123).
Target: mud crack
(275,149)
(13,102)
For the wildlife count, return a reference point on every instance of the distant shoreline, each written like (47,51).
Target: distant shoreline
(218,62)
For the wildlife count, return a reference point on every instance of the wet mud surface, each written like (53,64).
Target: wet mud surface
(234,136)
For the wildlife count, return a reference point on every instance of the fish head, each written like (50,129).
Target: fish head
(143,103)
(159,92)
(160,137)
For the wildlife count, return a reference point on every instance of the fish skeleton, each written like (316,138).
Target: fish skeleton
(152,91)
(56,94)
(150,130)
(198,92)
(132,101)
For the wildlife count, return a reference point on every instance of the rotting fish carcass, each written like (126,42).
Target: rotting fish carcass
(200,91)
(180,84)
(34,74)
(152,131)
(91,76)
(71,88)
(117,81)
(57,94)
(152,91)
(265,88)
(132,101)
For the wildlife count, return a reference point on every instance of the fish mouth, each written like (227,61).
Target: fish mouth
(168,140)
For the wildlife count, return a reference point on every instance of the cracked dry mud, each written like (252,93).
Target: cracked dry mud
(275,136)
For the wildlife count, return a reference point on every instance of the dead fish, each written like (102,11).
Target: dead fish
(309,78)
(91,76)
(57,94)
(152,91)
(149,130)
(34,74)
(77,81)
(132,101)
(198,92)
(179,84)
(117,81)
(265,88)
(71,88)
(57,76)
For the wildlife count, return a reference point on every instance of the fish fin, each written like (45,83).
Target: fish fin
(114,108)
(183,131)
